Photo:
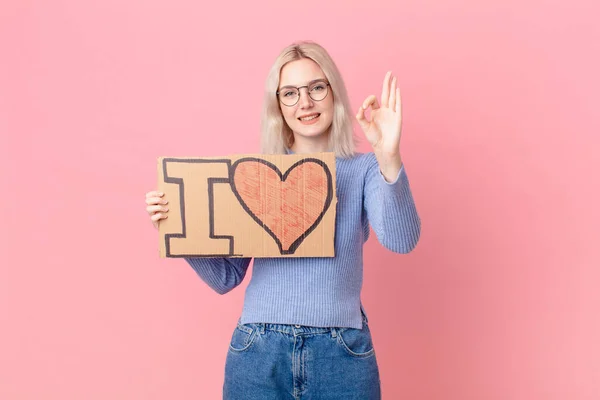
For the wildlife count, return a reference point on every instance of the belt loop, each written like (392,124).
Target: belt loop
(334,332)
(261,328)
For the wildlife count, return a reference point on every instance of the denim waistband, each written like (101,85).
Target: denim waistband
(297,329)
(294,329)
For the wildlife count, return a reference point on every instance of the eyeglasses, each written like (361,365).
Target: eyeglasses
(289,95)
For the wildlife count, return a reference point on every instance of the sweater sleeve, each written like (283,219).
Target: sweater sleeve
(221,274)
(391,209)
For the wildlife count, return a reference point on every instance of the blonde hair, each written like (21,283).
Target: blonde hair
(277,137)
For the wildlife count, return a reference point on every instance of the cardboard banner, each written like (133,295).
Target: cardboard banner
(248,206)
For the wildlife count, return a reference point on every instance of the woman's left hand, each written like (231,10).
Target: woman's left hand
(384,129)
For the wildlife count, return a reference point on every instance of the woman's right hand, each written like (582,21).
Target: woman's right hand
(156,205)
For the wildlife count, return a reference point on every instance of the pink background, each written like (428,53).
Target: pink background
(499,300)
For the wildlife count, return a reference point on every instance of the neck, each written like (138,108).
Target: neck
(319,144)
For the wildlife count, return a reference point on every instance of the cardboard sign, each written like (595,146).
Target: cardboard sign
(248,206)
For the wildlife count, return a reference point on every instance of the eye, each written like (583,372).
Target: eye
(289,93)
(318,88)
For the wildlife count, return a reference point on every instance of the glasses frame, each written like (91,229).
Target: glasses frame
(300,93)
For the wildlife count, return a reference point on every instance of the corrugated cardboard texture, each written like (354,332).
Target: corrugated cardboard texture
(248,206)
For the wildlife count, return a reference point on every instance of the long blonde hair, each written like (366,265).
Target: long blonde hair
(277,137)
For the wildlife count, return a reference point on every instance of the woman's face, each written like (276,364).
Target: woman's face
(308,118)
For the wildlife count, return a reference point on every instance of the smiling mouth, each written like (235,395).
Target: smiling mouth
(309,118)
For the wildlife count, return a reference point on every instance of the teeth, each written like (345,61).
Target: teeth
(309,118)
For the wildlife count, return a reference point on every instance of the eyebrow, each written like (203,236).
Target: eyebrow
(308,84)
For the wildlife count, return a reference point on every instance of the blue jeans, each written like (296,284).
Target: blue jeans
(293,362)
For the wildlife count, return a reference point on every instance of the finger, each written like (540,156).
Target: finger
(362,119)
(158,216)
(360,115)
(156,200)
(398,102)
(392,104)
(153,209)
(154,193)
(385,92)
(371,101)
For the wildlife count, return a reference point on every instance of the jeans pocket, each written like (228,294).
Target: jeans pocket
(243,337)
(356,342)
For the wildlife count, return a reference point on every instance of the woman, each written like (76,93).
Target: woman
(303,333)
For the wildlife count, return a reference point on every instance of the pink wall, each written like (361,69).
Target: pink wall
(500,298)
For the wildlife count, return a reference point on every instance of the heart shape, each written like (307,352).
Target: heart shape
(288,206)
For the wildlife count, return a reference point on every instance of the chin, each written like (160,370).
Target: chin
(310,132)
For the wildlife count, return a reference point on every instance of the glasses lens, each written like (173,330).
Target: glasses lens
(289,96)
(318,90)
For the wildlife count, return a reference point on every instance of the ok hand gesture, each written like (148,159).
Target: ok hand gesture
(384,129)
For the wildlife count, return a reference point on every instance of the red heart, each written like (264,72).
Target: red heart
(288,206)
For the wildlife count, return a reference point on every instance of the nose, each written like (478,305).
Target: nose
(305,101)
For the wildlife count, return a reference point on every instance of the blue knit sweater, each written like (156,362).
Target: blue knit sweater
(325,292)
